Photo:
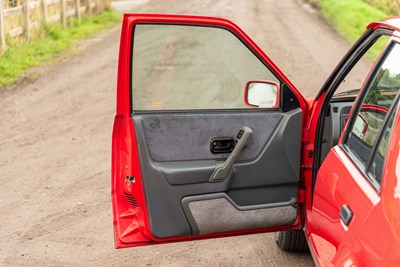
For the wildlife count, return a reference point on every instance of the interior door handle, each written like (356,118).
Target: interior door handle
(346,214)
(222,145)
(222,168)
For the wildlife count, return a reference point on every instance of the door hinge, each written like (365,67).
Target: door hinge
(305,135)
(302,196)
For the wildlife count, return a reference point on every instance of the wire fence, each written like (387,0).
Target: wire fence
(21,18)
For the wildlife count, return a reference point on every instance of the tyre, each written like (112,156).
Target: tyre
(291,240)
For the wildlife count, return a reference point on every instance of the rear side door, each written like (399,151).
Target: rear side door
(195,154)
(348,223)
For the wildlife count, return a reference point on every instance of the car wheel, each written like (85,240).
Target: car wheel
(291,240)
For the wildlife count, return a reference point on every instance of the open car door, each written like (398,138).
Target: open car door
(207,136)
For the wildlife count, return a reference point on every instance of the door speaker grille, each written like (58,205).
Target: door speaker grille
(132,200)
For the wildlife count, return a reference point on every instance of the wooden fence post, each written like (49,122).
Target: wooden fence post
(44,10)
(78,9)
(25,10)
(101,6)
(88,9)
(63,14)
(96,7)
(2,29)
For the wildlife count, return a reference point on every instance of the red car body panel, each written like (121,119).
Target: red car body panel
(372,238)
(390,194)
(339,183)
(392,23)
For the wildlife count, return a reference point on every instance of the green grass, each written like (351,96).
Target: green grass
(52,39)
(391,7)
(350,17)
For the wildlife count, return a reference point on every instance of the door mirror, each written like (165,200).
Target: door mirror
(360,127)
(262,94)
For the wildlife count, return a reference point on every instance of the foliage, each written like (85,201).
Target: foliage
(391,7)
(21,55)
(350,18)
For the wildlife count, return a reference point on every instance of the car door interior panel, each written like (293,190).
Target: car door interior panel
(184,137)
(177,163)
(334,122)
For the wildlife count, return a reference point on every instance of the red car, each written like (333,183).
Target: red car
(211,140)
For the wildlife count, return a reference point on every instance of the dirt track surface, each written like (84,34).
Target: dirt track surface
(55,143)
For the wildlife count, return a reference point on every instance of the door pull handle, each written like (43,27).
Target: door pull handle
(222,168)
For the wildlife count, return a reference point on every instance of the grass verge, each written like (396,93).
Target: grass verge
(350,18)
(391,7)
(52,39)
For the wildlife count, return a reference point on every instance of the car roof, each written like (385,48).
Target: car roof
(392,23)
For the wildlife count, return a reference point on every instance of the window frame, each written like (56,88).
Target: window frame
(358,105)
(344,67)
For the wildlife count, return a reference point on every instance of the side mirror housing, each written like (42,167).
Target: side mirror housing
(262,94)
(360,127)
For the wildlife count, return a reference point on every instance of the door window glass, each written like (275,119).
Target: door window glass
(355,78)
(375,168)
(371,116)
(177,67)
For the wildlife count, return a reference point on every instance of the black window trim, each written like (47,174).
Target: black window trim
(351,155)
(392,109)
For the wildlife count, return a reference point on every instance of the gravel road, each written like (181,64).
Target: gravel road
(55,143)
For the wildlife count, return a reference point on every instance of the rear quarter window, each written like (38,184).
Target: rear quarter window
(371,124)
